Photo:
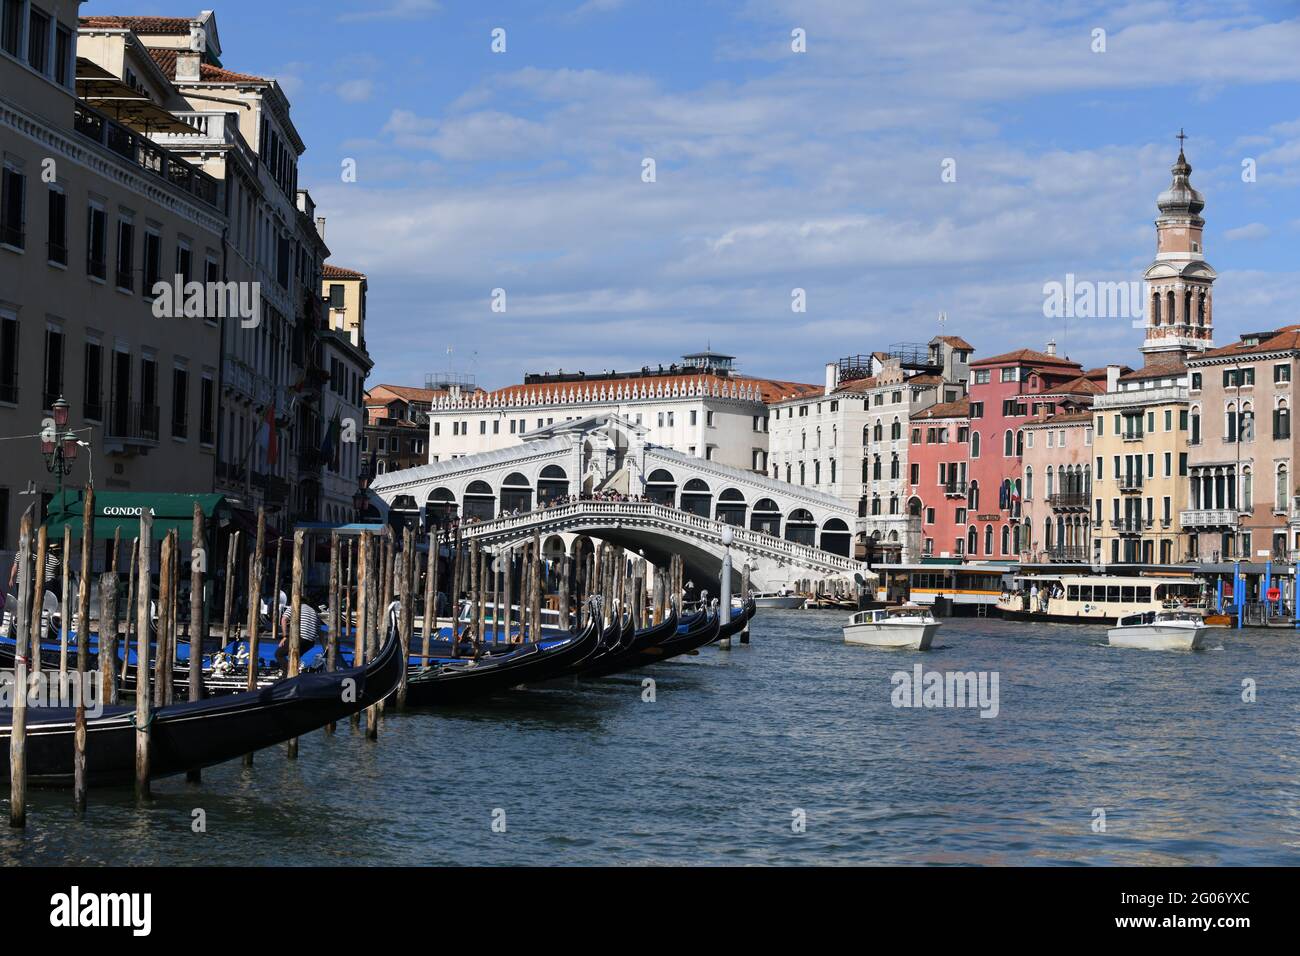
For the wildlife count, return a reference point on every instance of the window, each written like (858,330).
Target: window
(125,277)
(976,409)
(93,408)
(152,262)
(57,244)
(1196,381)
(1281,421)
(1282,373)
(13,208)
(980,376)
(8,357)
(11,26)
(38,41)
(482,426)
(974,444)
(96,242)
(53,388)
(63,55)
(180,402)
(207,404)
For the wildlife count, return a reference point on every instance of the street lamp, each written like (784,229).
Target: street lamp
(60,450)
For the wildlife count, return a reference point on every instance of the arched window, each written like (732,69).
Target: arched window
(803,440)
(1247,422)
(817,472)
(893,466)
(836,537)
(1008,444)
(765,517)
(731,507)
(833,471)
(661,487)
(1029,484)
(1281,420)
(696,498)
(1247,490)
(974,444)
(988,539)
(893,504)
(875,504)
(800,527)
(1047,533)
(516,494)
(879,431)
(1050,491)
(972,541)
(480,501)
(973,496)
(1195,427)
(552,483)
(875,467)
(866,435)
(803,473)
(896,430)
(1282,492)
(1006,539)
(1020,443)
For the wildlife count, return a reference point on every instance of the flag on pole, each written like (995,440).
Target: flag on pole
(270,440)
(329,448)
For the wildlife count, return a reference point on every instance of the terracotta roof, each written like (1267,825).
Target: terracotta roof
(957,409)
(956,341)
(166,60)
(1027,356)
(857,385)
(404,392)
(338,272)
(145,26)
(1159,368)
(1283,339)
(1083,385)
(1064,418)
(926,379)
(769,391)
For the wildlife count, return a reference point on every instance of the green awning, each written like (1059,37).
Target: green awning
(122,509)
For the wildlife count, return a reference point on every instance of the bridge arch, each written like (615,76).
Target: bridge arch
(516,493)
(731,507)
(480,501)
(440,507)
(697,498)
(661,487)
(800,527)
(836,537)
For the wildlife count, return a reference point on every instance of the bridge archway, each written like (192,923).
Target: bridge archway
(553,548)
(766,517)
(516,494)
(552,483)
(731,507)
(800,527)
(697,498)
(440,508)
(836,537)
(661,487)
(480,501)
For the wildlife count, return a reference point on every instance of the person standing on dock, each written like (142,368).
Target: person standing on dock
(308,632)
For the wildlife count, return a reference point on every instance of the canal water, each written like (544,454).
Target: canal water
(788,751)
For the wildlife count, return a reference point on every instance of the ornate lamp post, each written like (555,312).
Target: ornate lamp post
(60,450)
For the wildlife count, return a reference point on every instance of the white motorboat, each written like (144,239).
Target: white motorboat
(1170,630)
(780,599)
(910,627)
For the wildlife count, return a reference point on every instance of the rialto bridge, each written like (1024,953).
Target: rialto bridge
(598,477)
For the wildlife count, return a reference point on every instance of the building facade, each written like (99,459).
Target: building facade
(1057,505)
(702,407)
(93,213)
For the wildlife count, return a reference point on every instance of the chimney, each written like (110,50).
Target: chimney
(320,227)
(187,66)
(1051,346)
(832,377)
(1112,378)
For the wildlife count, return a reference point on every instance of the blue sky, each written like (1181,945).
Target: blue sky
(775,170)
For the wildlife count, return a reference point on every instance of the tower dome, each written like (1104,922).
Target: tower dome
(1181,199)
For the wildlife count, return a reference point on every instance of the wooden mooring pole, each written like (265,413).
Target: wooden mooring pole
(18,730)
(83,653)
(295,622)
(334,614)
(142,715)
(362,612)
(254,605)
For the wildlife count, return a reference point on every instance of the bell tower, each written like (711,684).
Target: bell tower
(1180,297)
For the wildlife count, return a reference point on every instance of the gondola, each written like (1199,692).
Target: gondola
(625,657)
(700,630)
(190,736)
(457,681)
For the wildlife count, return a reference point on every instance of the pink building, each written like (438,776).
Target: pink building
(938,464)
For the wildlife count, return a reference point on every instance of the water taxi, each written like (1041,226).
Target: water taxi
(787,600)
(1097,598)
(1161,631)
(909,627)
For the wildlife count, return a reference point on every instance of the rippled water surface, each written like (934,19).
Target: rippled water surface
(735,742)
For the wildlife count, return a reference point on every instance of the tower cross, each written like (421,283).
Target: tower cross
(1181,136)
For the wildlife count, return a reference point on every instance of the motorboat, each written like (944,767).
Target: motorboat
(1164,630)
(909,626)
(785,600)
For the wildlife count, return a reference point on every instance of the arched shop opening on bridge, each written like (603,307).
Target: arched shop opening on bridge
(552,484)
(440,509)
(836,537)
(696,498)
(801,528)
(661,487)
(480,501)
(516,494)
(731,507)
(766,517)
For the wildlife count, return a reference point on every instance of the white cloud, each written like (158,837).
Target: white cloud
(356,91)
(1254,230)
(396,10)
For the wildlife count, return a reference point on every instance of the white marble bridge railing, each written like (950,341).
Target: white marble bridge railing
(581,516)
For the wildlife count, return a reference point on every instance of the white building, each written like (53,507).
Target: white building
(850,439)
(702,407)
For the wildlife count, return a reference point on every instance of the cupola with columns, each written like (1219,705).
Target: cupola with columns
(1180,314)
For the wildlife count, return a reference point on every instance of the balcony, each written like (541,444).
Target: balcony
(1070,501)
(131,423)
(955,489)
(145,154)
(1136,434)
(1129,525)
(1075,554)
(1209,518)
(1129,482)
